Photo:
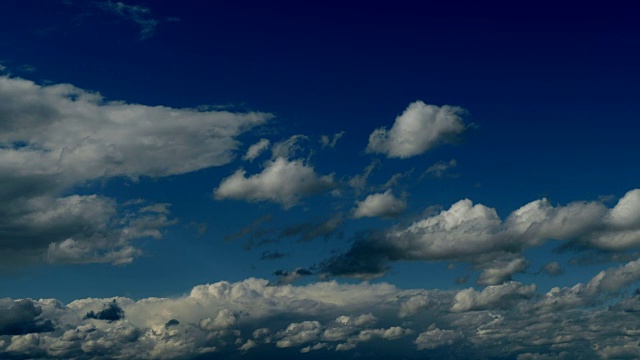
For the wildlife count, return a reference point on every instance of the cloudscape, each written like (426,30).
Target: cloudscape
(312,180)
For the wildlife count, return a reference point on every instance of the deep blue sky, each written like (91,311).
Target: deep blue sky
(550,99)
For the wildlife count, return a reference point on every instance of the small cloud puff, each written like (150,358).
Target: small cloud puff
(419,128)
(381,204)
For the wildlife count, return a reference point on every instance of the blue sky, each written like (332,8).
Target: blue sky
(328,179)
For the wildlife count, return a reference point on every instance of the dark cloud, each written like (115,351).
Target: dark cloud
(111,312)
(272,255)
(22,317)
(311,230)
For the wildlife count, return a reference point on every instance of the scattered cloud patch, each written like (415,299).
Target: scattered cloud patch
(256,149)
(380,205)
(330,142)
(419,128)
(440,169)
(282,181)
(137,14)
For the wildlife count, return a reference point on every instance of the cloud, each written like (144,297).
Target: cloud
(256,149)
(22,317)
(380,204)
(282,181)
(419,128)
(311,230)
(140,15)
(493,296)
(74,135)
(553,268)
(331,142)
(475,233)
(56,137)
(289,148)
(272,255)
(111,312)
(256,319)
(439,169)
(435,338)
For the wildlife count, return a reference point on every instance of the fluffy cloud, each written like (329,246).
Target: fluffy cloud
(254,319)
(381,204)
(419,128)
(55,137)
(491,296)
(282,181)
(475,233)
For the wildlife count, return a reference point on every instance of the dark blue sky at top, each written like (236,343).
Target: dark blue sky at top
(552,91)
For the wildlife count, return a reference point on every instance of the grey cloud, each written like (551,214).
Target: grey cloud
(331,142)
(110,312)
(22,317)
(440,169)
(271,255)
(553,268)
(311,230)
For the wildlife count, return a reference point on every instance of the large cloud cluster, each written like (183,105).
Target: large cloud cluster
(55,137)
(254,319)
(475,233)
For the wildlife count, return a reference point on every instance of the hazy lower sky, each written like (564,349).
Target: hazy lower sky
(257,179)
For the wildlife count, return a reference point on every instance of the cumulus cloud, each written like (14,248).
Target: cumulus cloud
(494,296)
(256,149)
(256,319)
(22,317)
(419,128)
(381,204)
(282,181)
(475,233)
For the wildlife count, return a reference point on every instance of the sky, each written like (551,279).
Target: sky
(246,179)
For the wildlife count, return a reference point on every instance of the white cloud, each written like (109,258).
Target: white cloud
(380,204)
(475,233)
(256,149)
(61,130)
(236,318)
(500,270)
(55,137)
(282,181)
(491,296)
(419,128)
